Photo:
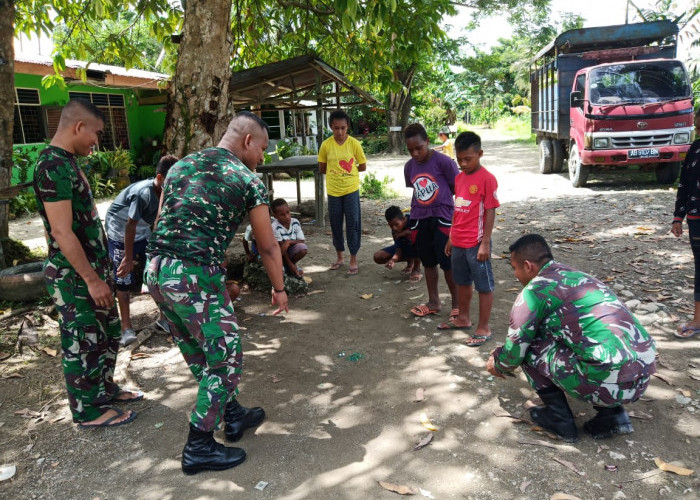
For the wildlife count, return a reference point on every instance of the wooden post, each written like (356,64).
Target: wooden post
(319,112)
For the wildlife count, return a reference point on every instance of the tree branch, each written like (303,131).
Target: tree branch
(307,7)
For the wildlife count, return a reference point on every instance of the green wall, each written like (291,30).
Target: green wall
(145,123)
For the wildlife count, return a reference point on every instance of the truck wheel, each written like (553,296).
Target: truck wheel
(667,173)
(557,156)
(545,156)
(578,173)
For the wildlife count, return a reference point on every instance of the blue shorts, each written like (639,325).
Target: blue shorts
(467,270)
(134,279)
(408,251)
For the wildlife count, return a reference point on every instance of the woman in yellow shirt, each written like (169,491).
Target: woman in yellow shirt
(341,159)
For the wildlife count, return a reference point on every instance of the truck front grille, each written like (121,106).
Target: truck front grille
(642,141)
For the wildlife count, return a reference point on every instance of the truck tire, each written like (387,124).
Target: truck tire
(667,173)
(545,155)
(23,283)
(578,172)
(557,156)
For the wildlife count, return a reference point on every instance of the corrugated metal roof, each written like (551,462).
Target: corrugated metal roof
(105,68)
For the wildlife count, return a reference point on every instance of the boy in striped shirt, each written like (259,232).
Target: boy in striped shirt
(288,233)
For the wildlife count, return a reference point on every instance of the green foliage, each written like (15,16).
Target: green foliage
(289,147)
(23,204)
(22,160)
(375,144)
(374,189)
(145,172)
(16,252)
(515,127)
(101,188)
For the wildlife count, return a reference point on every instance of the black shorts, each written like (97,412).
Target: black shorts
(430,237)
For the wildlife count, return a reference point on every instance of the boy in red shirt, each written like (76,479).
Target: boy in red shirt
(470,237)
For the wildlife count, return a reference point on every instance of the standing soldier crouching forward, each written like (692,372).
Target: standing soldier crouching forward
(205,197)
(77,270)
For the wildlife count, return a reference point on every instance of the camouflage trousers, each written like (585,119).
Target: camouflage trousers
(89,341)
(203,325)
(549,363)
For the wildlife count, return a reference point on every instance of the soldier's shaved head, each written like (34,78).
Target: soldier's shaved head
(246,137)
(79,110)
(533,248)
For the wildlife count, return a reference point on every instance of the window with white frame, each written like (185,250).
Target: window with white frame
(29,126)
(116,131)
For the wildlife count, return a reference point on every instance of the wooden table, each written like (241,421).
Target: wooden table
(295,165)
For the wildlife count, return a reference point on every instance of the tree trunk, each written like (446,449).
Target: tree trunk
(399,109)
(197,111)
(7,107)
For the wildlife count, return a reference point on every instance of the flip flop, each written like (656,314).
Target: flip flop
(335,266)
(108,422)
(449,325)
(353,271)
(406,270)
(138,397)
(415,278)
(454,313)
(478,340)
(423,310)
(686,331)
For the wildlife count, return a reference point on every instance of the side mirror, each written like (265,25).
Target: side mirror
(576,99)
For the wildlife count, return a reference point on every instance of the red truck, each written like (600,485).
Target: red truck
(612,97)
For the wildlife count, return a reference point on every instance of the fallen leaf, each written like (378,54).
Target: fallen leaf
(49,351)
(563,496)
(139,355)
(537,442)
(427,423)
(307,280)
(367,296)
(666,467)
(27,413)
(423,442)
(524,485)
(569,466)
(12,375)
(640,415)
(685,392)
(417,296)
(277,379)
(661,377)
(57,419)
(420,395)
(514,289)
(401,489)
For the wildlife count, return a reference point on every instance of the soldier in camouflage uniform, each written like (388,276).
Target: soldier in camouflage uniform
(205,197)
(77,270)
(571,335)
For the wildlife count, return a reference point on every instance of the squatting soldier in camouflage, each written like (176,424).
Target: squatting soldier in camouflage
(205,197)
(77,270)
(571,335)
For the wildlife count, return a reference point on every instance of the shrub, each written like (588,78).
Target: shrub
(374,189)
(373,145)
(23,204)
(145,172)
(288,147)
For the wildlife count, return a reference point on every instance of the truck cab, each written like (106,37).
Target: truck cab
(631,113)
(611,97)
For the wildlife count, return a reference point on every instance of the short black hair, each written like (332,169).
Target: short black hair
(277,202)
(165,163)
(415,130)
(338,114)
(86,106)
(393,212)
(467,140)
(254,117)
(532,247)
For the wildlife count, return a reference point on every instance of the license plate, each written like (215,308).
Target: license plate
(643,153)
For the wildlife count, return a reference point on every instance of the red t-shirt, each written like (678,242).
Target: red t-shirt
(474,194)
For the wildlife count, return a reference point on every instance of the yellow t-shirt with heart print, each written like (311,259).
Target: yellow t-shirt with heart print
(342,176)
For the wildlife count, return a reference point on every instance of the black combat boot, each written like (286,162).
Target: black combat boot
(608,422)
(555,416)
(203,453)
(239,418)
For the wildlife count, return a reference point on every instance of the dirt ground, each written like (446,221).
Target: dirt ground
(338,376)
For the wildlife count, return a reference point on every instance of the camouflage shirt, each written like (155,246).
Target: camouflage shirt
(57,177)
(206,196)
(583,315)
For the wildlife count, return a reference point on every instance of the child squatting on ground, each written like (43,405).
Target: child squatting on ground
(469,244)
(403,249)
(289,235)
